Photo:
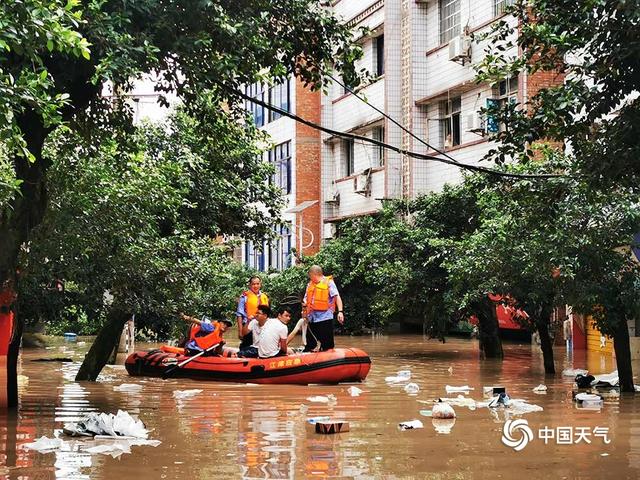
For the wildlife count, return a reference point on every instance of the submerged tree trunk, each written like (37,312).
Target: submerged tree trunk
(490,343)
(545,341)
(17,220)
(103,346)
(623,356)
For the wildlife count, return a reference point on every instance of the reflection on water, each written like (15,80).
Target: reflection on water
(261,431)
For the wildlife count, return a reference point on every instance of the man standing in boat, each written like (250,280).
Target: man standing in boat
(320,301)
(247,308)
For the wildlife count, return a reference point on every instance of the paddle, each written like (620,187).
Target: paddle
(173,368)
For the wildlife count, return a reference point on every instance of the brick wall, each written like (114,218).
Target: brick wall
(308,165)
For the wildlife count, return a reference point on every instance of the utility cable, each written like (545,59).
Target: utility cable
(402,151)
(391,119)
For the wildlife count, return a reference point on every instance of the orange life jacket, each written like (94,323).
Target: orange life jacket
(253,302)
(318,296)
(206,340)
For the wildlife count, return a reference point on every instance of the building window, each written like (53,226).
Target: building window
(450,123)
(449,20)
(279,96)
(499,6)
(378,151)
(348,155)
(256,91)
(254,257)
(280,156)
(505,91)
(378,55)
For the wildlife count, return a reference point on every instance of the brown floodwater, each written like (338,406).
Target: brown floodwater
(261,431)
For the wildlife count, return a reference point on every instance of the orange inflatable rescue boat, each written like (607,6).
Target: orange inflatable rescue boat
(333,366)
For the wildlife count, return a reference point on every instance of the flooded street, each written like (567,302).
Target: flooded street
(261,431)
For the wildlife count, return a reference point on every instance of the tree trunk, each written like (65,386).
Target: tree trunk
(490,343)
(623,356)
(16,223)
(104,344)
(545,341)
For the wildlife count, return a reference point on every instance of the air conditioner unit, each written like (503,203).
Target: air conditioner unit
(362,183)
(475,123)
(460,49)
(332,197)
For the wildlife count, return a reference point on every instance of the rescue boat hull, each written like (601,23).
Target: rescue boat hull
(330,367)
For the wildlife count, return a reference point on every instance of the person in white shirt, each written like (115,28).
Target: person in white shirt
(255,328)
(273,336)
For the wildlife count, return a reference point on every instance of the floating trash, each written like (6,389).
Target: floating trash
(410,425)
(412,388)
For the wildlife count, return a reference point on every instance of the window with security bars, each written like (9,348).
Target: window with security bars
(255,257)
(449,20)
(279,96)
(280,249)
(280,157)
(450,122)
(256,91)
(505,91)
(499,6)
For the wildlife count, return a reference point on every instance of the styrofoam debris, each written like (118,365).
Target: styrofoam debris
(426,413)
(114,446)
(119,425)
(128,387)
(540,389)
(463,389)
(410,425)
(322,399)
(354,391)
(401,376)
(587,397)
(412,388)
(520,407)
(443,410)
(314,420)
(572,372)
(460,401)
(184,394)
(44,444)
(611,379)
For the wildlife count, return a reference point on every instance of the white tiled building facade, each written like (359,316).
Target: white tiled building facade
(421,53)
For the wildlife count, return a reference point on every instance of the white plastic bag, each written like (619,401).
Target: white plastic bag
(410,425)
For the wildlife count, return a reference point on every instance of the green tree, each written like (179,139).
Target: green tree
(593,109)
(140,222)
(61,55)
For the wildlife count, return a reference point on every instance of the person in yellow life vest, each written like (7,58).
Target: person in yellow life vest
(320,302)
(204,335)
(247,308)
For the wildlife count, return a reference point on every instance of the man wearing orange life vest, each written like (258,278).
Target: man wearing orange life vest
(320,301)
(204,335)
(247,308)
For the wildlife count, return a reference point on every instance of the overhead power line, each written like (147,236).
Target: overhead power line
(402,151)
(390,118)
